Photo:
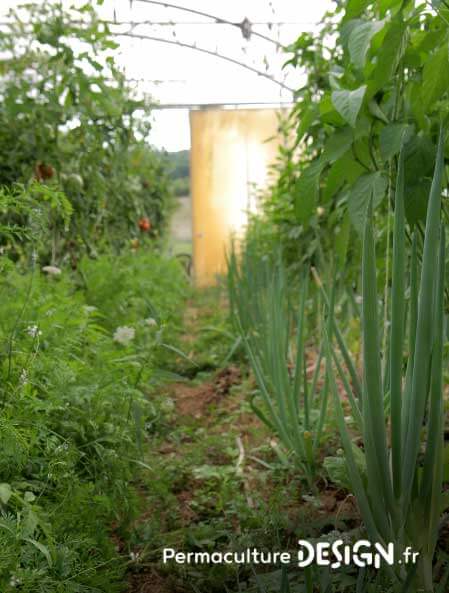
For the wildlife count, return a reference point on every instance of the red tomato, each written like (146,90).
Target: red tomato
(144,224)
(44,171)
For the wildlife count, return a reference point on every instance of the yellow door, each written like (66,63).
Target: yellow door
(231,153)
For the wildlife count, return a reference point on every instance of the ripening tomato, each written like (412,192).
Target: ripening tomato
(44,171)
(144,224)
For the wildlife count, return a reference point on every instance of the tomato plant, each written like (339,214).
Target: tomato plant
(69,119)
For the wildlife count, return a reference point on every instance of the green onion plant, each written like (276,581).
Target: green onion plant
(272,329)
(400,497)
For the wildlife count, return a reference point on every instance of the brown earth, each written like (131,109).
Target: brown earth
(194,400)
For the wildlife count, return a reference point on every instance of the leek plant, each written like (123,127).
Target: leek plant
(272,330)
(401,406)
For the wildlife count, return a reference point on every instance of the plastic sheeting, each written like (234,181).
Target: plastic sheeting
(231,154)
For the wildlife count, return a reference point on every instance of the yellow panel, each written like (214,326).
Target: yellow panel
(230,156)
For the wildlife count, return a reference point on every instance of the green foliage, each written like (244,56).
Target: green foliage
(179,171)
(376,77)
(25,215)
(179,164)
(181,187)
(76,363)
(131,288)
(69,120)
(272,329)
(400,497)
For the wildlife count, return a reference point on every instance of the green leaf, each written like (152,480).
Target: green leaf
(337,467)
(445,460)
(305,121)
(306,190)
(334,181)
(424,344)
(416,104)
(374,109)
(138,423)
(388,57)
(351,169)
(355,8)
(354,475)
(397,325)
(360,40)
(346,169)
(417,199)
(336,73)
(5,493)
(179,353)
(373,402)
(435,77)
(337,145)
(346,29)
(337,471)
(391,139)
(370,185)
(328,113)
(419,159)
(41,548)
(342,240)
(348,103)
(385,5)
(30,522)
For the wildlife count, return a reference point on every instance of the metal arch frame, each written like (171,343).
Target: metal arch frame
(213,17)
(208,52)
(214,54)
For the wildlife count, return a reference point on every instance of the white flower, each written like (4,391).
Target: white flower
(14,581)
(135,556)
(320,211)
(51,270)
(151,322)
(124,335)
(24,377)
(33,331)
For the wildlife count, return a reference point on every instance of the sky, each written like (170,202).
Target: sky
(173,75)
